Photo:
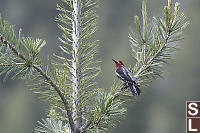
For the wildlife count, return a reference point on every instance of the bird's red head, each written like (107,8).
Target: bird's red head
(118,63)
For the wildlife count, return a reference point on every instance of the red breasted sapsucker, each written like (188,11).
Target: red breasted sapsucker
(127,77)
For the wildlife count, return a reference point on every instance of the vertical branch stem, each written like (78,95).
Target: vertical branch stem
(144,15)
(76,71)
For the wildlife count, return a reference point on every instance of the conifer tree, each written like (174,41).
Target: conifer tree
(68,81)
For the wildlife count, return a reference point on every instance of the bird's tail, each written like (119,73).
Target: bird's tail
(134,89)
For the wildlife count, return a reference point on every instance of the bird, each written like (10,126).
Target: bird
(127,77)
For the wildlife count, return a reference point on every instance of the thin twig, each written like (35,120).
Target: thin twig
(9,65)
(12,48)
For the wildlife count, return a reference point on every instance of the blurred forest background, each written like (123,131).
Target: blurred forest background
(161,109)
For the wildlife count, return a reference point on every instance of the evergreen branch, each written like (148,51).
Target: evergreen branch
(50,125)
(157,49)
(144,14)
(152,46)
(48,79)
(109,100)
(68,83)
(145,66)
(12,48)
(76,33)
(82,67)
(117,94)
(9,65)
(66,104)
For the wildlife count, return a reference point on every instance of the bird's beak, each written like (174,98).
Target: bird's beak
(115,61)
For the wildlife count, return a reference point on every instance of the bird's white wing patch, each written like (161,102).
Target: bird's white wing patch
(119,76)
(124,70)
(131,76)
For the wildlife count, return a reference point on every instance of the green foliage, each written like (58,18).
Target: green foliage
(78,61)
(51,126)
(68,81)
(156,47)
(152,47)
(17,61)
(13,62)
(108,111)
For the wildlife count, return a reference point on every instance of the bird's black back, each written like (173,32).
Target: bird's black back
(124,74)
